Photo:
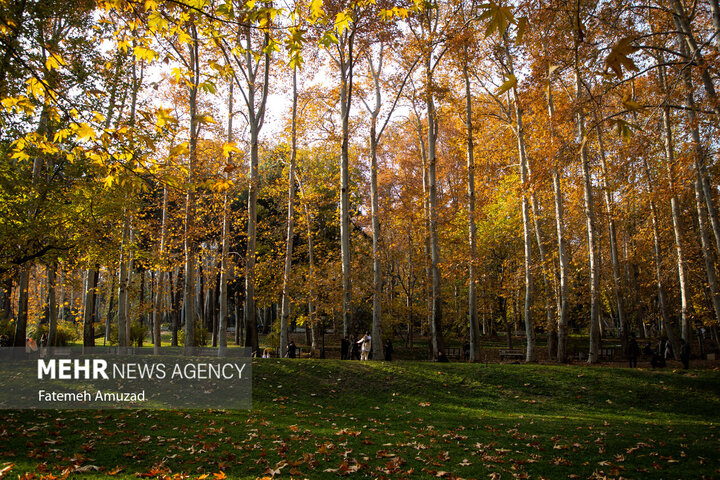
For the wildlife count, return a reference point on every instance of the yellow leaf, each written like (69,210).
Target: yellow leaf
(143,53)
(83,131)
(180,149)
(316,9)
(54,61)
(631,104)
(229,148)
(35,87)
(164,117)
(509,83)
(342,21)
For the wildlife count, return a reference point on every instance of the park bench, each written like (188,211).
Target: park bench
(607,353)
(454,352)
(512,353)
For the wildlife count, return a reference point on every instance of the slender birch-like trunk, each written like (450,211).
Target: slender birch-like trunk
(285,305)
(190,201)
(700,203)
(472,227)
(607,195)
(657,256)
(669,150)
(594,269)
(527,235)
(225,265)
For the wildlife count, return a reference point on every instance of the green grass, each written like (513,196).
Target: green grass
(322,419)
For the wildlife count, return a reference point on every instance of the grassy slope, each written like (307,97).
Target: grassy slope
(401,420)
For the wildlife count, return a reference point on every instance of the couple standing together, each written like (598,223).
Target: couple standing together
(352,349)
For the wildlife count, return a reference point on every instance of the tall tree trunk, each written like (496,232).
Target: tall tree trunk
(691,50)
(669,151)
(91,278)
(426,221)
(189,233)
(701,201)
(472,228)
(594,346)
(657,254)
(617,289)
(345,64)
(285,309)
(436,323)
(52,304)
(158,310)
(111,306)
(22,312)
(225,264)
(123,320)
(527,235)
(311,267)
(256,117)
(377,345)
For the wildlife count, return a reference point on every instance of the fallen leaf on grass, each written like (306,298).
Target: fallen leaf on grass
(87,468)
(6,469)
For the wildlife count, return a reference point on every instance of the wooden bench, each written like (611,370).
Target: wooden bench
(454,353)
(607,353)
(515,353)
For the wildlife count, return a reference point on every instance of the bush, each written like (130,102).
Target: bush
(273,339)
(66,333)
(7,327)
(202,336)
(137,332)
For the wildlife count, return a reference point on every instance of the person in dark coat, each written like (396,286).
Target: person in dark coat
(344,347)
(685,353)
(441,357)
(633,351)
(355,349)
(291,349)
(388,350)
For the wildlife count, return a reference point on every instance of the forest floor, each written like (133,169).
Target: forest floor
(327,419)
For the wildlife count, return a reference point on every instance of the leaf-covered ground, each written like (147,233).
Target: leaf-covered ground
(326,419)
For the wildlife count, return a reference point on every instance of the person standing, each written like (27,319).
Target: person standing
(366,343)
(633,351)
(388,350)
(291,349)
(685,353)
(344,347)
(354,348)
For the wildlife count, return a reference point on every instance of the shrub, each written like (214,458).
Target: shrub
(202,336)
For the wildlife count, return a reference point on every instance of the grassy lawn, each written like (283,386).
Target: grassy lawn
(325,419)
